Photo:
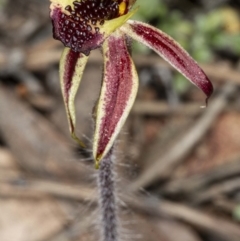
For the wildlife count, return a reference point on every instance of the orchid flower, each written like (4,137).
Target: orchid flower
(85,25)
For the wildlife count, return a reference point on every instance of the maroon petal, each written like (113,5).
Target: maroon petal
(119,89)
(72,65)
(171,51)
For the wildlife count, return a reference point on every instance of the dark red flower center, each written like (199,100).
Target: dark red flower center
(78,29)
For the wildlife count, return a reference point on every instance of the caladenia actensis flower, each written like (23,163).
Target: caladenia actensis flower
(85,25)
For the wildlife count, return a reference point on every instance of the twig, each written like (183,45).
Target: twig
(225,204)
(34,189)
(199,219)
(39,147)
(221,188)
(163,166)
(148,206)
(194,183)
(162,108)
(71,232)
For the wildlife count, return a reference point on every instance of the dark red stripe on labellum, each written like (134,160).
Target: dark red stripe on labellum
(174,54)
(118,79)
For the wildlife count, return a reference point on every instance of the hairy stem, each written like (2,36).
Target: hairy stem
(107,199)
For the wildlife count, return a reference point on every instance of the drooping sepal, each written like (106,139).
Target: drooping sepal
(118,92)
(171,51)
(72,65)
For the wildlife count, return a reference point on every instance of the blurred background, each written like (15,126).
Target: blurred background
(185,160)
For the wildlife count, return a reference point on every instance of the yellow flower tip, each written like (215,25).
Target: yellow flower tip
(98,159)
(62,4)
(122,8)
(97,164)
(80,143)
